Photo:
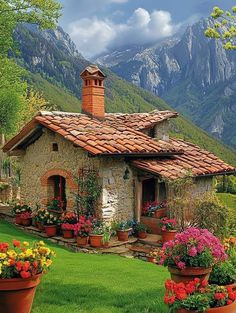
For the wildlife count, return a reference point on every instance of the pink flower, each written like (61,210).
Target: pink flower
(192,251)
(181,265)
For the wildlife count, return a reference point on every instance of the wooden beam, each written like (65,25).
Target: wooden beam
(17,152)
(138,199)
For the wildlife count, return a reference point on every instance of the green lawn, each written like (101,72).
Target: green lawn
(83,283)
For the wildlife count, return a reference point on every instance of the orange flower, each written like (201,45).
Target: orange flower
(16,243)
(25,274)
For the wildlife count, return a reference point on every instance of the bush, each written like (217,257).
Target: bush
(223,274)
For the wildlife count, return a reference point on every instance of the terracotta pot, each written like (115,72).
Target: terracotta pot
(231,308)
(95,240)
(106,244)
(68,234)
(142,234)
(40,226)
(189,273)
(18,219)
(168,235)
(123,235)
(160,213)
(26,221)
(82,241)
(17,294)
(50,230)
(151,259)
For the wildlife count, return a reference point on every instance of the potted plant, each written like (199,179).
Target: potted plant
(20,274)
(122,230)
(168,229)
(192,254)
(82,230)
(96,234)
(50,224)
(223,273)
(18,209)
(154,209)
(106,236)
(68,220)
(196,296)
(26,218)
(141,230)
(39,218)
(55,207)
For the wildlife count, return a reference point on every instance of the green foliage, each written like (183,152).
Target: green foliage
(227,199)
(223,273)
(209,213)
(226,184)
(224,27)
(122,225)
(89,191)
(3,186)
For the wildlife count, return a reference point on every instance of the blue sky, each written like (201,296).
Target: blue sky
(99,25)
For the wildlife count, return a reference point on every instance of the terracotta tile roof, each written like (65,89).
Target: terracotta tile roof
(196,160)
(139,121)
(95,136)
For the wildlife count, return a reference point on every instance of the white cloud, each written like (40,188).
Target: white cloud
(94,35)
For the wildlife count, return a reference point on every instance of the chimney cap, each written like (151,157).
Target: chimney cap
(92,70)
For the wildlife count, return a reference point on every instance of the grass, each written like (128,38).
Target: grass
(227,199)
(83,283)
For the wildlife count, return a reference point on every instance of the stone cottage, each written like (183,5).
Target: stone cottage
(133,154)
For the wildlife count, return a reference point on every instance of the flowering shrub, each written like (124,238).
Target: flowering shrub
(168,224)
(83,228)
(151,207)
(69,218)
(197,296)
(193,247)
(55,205)
(25,215)
(21,208)
(22,260)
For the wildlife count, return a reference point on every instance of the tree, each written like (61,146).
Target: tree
(13,90)
(224,27)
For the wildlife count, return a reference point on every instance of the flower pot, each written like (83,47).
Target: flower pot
(123,235)
(96,241)
(18,219)
(106,244)
(151,259)
(26,221)
(40,226)
(142,234)
(82,241)
(51,230)
(168,235)
(231,308)
(160,213)
(189,273)
(17,294)
(68,234)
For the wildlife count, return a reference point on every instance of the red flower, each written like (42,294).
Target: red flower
(16,243)
(4,247)
(219,296)
(26,266)
(25,274)
(18,266)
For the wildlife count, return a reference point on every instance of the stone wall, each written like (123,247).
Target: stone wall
(40,162)
(202,185)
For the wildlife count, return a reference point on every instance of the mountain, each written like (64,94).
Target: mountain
(53,67)
(194,74)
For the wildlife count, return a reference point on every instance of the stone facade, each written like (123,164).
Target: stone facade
(40,162)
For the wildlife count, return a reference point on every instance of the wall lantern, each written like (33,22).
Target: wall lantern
(126,174)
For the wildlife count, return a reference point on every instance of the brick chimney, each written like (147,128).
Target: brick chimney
(93,92)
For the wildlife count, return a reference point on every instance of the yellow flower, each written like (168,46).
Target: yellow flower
(3,256)
(12,254)
(26,244)
(48,263)
(41,243)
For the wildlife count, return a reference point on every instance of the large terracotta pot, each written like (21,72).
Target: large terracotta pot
(82,241)
(95,240)
(189,273)
(50,230)
(18,219)
(123,235)
(231,308)
(142,234)
(160,213)
(68,234)
(26,221)
(17,294)
(168,235)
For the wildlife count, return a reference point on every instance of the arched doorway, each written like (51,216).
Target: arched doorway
(57,189)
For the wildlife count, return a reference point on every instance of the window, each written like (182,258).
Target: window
(54,146)
(151,132)
(162,191)
(100,83)
(96,82)
(149,190)
(57,189)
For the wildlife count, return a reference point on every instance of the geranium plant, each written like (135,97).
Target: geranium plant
(83,228)
(168,224)
(25,215)
(69,218)
(22,260)
(151,207)
(21,208)
(196,296)
(193,248)
(55,205)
